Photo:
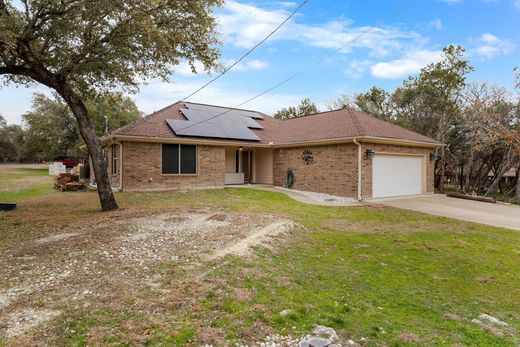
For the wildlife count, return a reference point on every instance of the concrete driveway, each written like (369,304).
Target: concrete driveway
(500,215)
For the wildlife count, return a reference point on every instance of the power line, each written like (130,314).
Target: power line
(311,66)
(248,52)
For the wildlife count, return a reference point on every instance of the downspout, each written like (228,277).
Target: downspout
(359,196)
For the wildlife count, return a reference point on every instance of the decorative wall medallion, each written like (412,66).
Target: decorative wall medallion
(307,157)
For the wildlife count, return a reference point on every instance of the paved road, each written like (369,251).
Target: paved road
(500,215)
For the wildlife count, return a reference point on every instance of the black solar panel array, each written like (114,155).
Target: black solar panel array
(207,121)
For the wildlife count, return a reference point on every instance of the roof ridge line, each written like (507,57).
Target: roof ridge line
(226,107)
(140,120)
(356,122)
(315,114)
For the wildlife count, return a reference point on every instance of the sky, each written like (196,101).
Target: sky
(397,41)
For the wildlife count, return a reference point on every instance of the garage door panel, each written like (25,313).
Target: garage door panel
(396,175)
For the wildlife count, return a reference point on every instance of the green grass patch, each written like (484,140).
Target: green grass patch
(390,277)
(20,184)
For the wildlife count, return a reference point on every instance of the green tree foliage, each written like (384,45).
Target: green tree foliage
(428,103)
(84,48)
(478,123)
(51,129)
(120,110)
(377,102)
(305,108)
(11,137)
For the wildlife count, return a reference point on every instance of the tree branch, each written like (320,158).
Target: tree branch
(15,70)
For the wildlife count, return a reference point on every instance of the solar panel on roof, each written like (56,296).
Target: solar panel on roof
(216,122)
(217,109)
(212,130)
(226,119)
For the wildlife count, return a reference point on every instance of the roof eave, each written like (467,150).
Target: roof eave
(191,140)
(363,138)
(184,140)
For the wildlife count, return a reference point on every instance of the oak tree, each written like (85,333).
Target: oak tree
(84,48)
(305,107)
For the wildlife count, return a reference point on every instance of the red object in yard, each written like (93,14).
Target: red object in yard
(68,161)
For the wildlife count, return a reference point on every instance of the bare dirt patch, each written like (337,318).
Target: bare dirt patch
(122,264)
(25,182)
(255,237)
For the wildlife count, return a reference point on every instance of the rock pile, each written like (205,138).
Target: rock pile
(322,336)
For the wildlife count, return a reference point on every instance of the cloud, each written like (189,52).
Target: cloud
(256,64)
(184,69)
(516,3)
(411,63)
(437,23)
(244,25)
(489,46)
(158,94)
(356,69)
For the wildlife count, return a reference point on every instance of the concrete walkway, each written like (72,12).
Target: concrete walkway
(304,197)
(499,215)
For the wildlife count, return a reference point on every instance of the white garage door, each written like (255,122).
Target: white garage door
(396,175)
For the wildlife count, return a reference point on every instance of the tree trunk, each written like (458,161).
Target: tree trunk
(517,190)
(500,171)
(442,169)
(88,133)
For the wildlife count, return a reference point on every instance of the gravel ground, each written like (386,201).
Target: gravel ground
(105,264)
(321,198)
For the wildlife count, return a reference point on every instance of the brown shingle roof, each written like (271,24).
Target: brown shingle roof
(344,123)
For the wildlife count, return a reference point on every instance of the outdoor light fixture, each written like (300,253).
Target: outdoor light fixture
(433,157)
(370,153)
(241,149)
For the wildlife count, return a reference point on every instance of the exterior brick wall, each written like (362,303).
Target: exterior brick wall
(366,186)
(142,168)
(334,167)
(333,170)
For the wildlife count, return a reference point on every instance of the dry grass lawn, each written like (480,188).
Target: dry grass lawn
(148,274)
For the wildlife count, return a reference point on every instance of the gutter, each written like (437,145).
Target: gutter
(359,195)
(195,141)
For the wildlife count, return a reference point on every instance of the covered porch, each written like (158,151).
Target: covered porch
(249,165)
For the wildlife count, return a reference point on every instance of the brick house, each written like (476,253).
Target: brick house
(343,152)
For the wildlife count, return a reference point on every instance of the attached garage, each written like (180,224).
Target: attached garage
(397,175)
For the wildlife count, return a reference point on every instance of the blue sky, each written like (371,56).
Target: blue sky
(395,48)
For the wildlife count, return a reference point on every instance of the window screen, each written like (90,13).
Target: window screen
(179,159)
(188,159)
(170,159)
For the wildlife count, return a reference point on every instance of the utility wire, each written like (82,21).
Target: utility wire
(311,66)
(248,52)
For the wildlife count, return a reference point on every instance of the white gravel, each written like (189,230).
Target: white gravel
(21,321)
(320,197)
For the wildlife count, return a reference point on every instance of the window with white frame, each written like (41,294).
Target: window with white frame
(179,159)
